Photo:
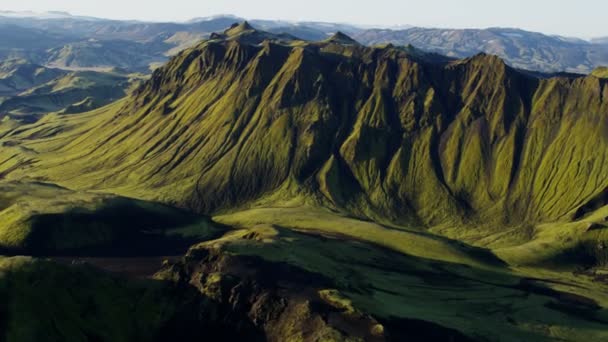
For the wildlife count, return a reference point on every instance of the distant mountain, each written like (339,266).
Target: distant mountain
(602,40)
(73,42)
(107,54)
(521,49)
(16,40)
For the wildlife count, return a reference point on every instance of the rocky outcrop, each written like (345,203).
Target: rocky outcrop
(285,303)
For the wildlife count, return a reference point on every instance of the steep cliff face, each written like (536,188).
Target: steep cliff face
(385,133)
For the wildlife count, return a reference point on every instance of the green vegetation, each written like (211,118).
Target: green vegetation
(472,150)
(335,299)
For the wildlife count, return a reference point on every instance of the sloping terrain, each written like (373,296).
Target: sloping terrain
(29,90)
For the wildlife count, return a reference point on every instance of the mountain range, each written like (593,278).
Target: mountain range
(271,188)
(302,182)
(62,40)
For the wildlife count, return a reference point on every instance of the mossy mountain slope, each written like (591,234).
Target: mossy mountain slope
(248,117)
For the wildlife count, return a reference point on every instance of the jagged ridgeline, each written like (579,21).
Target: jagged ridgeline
(384,132)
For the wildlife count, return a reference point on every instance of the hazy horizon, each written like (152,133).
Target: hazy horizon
(583,19)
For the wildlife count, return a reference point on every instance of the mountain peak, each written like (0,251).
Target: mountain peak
(341,38)
(238,28)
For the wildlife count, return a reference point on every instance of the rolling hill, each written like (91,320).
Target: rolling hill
(18,75)
(355,192)
(29,90)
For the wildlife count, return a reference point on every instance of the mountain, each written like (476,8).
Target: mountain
(379,133)
(344,192)
(43,219)
(520,49)
(29,90)
(294,91)
(71,42)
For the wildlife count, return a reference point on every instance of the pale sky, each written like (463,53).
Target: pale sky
(577,18)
